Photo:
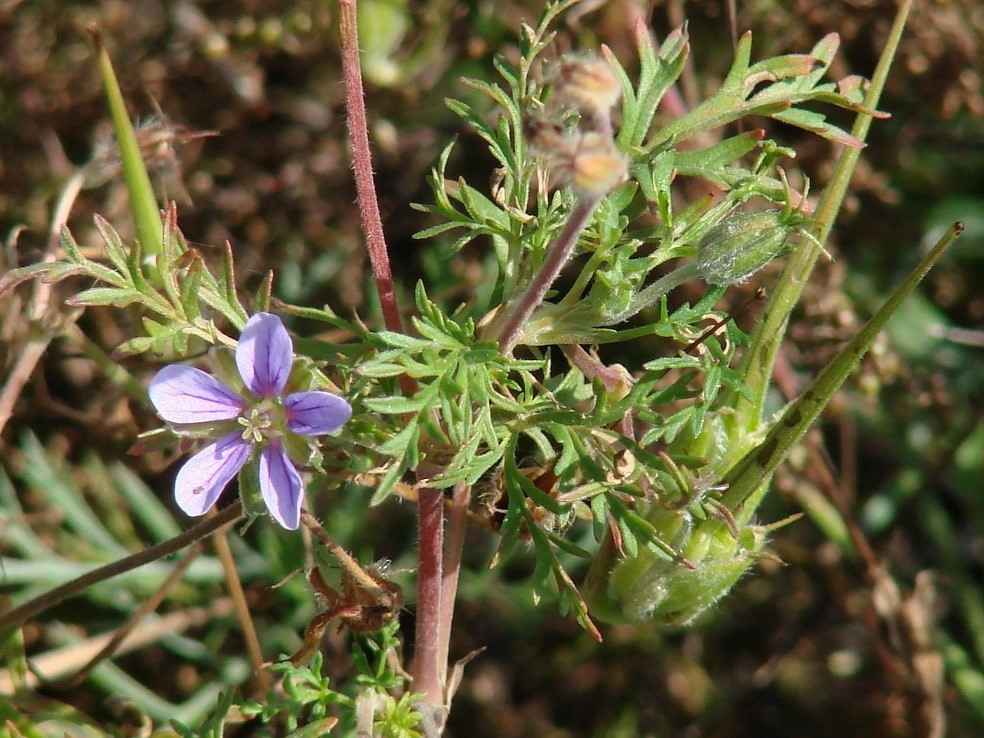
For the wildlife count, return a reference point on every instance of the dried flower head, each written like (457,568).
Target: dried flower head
(588,84)
(590,163)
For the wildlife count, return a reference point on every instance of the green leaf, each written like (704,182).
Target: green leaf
(133,347)
(398,405)
(657,74)
(397,445)
(115,250)
(389,480)
(190,286)
(106,296)
(14,277)
(708,163)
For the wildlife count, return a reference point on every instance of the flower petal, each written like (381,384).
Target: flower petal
(316,413)
(204,476)
(264,355)
(184,394)
(281,485)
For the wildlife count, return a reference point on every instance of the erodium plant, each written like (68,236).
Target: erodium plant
(499,411)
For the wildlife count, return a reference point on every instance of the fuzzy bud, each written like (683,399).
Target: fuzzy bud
(648,587)
(733,250)
(588,84)
(596,166)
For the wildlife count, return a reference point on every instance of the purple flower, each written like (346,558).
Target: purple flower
(259,420)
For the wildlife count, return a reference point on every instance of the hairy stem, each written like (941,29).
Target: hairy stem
(365,186)
(352,568)
(19,615)
(559,253)
(453,545)
(429,504)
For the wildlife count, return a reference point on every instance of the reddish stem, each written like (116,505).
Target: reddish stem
(372,224)
(612,377)
(426,667)
(559,253)
(430,519)
(453,545)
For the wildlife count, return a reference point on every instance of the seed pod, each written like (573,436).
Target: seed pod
(648,587)
(733,250)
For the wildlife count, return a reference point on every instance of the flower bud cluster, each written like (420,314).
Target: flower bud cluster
(584,157)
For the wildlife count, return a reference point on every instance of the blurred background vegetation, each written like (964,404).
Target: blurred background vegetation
(798,649)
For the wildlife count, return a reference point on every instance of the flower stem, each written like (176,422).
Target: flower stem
(235,585)
(559,253)
(20,615)
(655,292)
(353,570)
(365,186)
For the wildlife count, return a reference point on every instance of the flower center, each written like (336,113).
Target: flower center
(261,422)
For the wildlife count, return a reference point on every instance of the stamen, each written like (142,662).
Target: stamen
(255,424)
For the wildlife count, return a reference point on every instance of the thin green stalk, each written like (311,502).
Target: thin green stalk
(655,292)
(757,364)
(746,480)
(112,370)
(143,202)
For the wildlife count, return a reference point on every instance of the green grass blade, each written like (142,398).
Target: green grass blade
(144,503)
(17,534)
(143,202)
(62,494)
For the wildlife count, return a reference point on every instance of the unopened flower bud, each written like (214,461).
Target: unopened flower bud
(733,250)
